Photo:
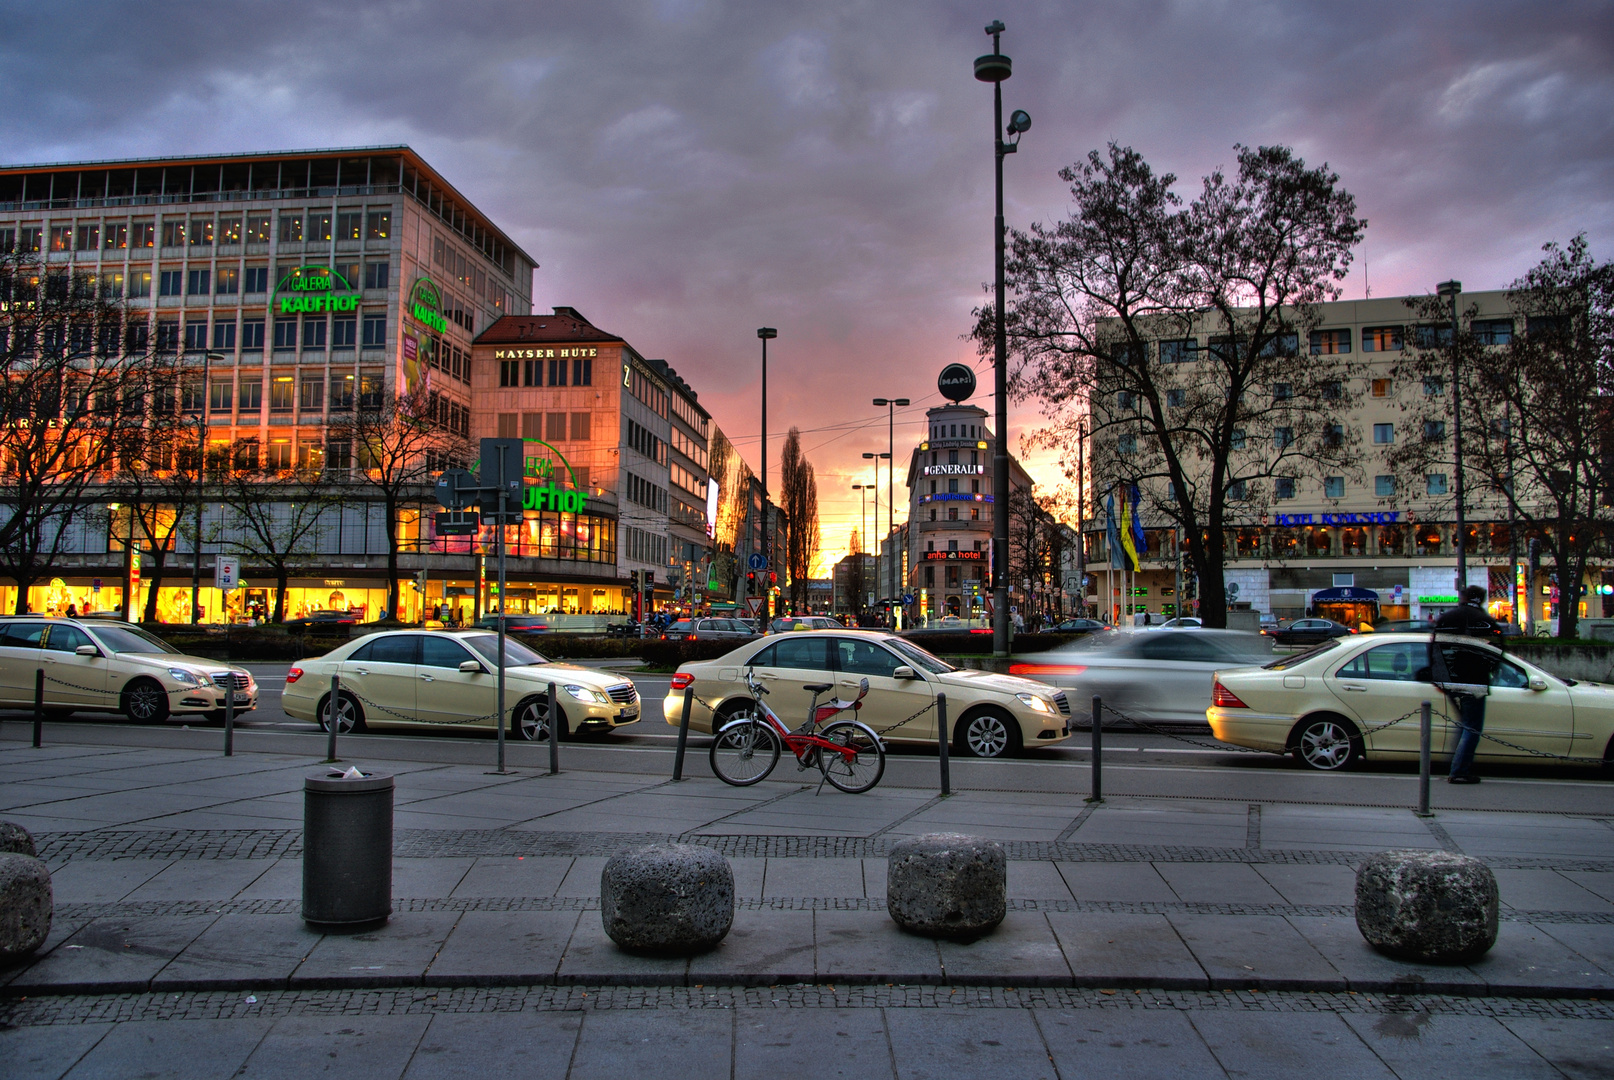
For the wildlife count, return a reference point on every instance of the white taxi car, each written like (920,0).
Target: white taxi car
(436,679)
(1357,697)
(988,715)
(97,665)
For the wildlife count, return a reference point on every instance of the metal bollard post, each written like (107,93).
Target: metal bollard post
(554,732)
(1423,760)
(39,707)
(1098,750)
(683,733)
(330,743)
(229,717)
(941,744)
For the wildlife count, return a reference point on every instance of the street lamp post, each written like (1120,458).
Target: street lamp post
(876,489)
(201,461)
(858,555)
(891,405)
(128,565)
(1454,289)
(994,68)
(766,333)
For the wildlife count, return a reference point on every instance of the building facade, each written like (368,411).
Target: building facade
(293,288)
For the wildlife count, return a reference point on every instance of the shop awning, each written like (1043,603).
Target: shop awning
(1348,594)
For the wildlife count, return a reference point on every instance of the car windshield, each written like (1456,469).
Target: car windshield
(130,639)
(918,657)
(515,653)
(1301,657)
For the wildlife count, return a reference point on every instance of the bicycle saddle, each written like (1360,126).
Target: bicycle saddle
(817,687)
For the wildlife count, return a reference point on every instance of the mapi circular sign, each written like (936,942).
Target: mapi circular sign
(956,382)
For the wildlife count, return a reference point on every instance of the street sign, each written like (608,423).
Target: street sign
(754,603)
(757,561)
(956,381)
(226,572)
(456,489)
(458,523)
(502,464)
(907,598)
(95,584)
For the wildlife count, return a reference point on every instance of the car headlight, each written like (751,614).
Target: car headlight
(583,693)
(187,678)
(1035,703)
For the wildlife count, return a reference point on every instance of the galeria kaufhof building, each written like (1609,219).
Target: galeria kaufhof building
(296,285)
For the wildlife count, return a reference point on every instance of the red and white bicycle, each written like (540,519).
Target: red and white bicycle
(847,752)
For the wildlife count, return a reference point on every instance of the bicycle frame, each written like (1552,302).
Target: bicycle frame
(803,741)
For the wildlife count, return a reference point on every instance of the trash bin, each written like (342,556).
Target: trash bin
(347,847)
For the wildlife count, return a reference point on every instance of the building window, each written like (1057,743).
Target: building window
(350,225)
(220,391)
(319,228)
(1334,436)
(1333,487)
(256,280)
(1282,391)
(532,373)
(1433,386)
(1383,434)
(1238,491)
(279,455)
(348,274)
(1434,430)
(1236,439)
(1383,486)
(1176,399)
(507,425)
(291,228)
(199,283)
(313,393)
(1435,483)
(173,233)
(257,228)
(375,331)
(379,225)
(190,395)
(1126,444)
(139,283)
(116,235)
(341,392)
(580,426)
(1381,339)
(1282,438)
(196,335)
(557,373)
(1123,400)
(201,234)
(377,274)
(170,282)
(314,333)
(29,238)
(251,395)
(582,371)
(1283,487)
(509,372)
(1179,352)
(372,386)
(228,281)
(280,394)
(252,335)
(1492,331)
(344,332)
(555,426)
(89,237)
(1432,337)
(532,425)
(224,336)
(1381,388)
(230,230)
(1333,390)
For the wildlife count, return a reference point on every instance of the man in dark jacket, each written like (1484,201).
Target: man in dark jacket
(1465,674)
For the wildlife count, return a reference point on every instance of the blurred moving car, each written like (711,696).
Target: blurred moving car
(1356,698)
(1166,675)
(1309,632)
(442,679)
(1079,626)
(527,624)
(104,666)
(1403,626)
(709,629)
(1185,622)
(321,620)
(791,623)
(988,715)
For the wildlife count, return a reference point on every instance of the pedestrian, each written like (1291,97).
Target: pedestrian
(1465,674)
(72,611)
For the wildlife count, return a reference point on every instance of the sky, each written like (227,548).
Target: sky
(686,171)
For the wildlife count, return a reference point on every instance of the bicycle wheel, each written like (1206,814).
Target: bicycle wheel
(863,769)
(744,754)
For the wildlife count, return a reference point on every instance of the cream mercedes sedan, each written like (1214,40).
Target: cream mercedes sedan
(435,679)
(988,715)
(1355,698)
(99,665)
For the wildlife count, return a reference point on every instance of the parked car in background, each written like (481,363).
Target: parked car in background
(790,623)
(627,629)
(1166,675)
(1080,626)
(321,620)
(1352,698)
(1269,622)
(988,715)
(1309,632)
(440,680)
(709,629)
(527,624)
(1403,626)
(104,666)
(1185,622)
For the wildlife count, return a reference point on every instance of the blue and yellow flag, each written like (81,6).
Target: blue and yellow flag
(1112,535)
(1128,548)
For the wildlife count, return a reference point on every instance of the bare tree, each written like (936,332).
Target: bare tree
(73,385)
(274,515)
(1538,432)
(854,576)
(799,497)
(399,444)
(1111,304)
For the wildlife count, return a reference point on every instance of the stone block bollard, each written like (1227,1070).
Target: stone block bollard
(26,904)
(17,840)
(947,885)
(667,898)
(1432,907)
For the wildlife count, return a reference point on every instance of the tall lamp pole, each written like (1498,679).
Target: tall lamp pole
(201,464)
(1454,289)
(865,489)
(891,405)
(994,68)
(766,333)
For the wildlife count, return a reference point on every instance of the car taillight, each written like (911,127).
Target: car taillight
(1223,698)
(294,674)
(1046,669)
(682,680)
(980,630)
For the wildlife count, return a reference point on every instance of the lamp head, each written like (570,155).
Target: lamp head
(1019,121)
(767,332)
(995,27)
(868,455)
(881,401)
(1448,288)
(900,402)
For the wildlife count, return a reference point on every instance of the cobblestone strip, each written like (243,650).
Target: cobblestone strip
(238,1005)
(441,843)
(80,913)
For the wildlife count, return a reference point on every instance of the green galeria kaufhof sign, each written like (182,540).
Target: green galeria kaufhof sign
(314,290)
(426,305)
(545,494)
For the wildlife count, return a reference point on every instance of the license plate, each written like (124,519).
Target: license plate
(628,714)
(243,699)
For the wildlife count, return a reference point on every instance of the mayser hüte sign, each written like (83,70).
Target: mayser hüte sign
(314,290)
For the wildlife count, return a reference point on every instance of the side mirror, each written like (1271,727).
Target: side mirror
(472,667)
(905,672)
(87,650)
(1537,683)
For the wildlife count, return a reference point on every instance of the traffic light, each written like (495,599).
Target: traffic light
(750,581)
(420,582)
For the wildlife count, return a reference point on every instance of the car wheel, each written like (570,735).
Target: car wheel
(988,734)
(1326,743)
(349,714)
(531,719)
(145,702)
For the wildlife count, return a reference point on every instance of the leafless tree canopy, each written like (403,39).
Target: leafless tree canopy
(799,495)
(1173,333)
